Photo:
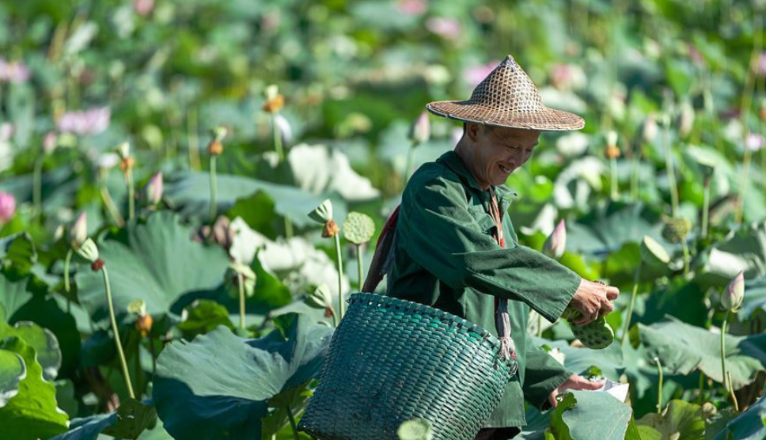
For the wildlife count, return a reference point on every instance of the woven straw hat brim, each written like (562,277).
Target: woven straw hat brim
(545,119)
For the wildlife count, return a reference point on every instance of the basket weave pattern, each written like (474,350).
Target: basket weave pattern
(507,97)
(392,360)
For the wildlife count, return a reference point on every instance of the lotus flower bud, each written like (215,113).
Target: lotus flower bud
(49,142)
(88,250)
(285,131)
(215,147)
(420,130)
(650,129)
(126,162)
(144,321)
(78,232)
(153,189)
(321,297)
(557,242)
(676,229)
(7,207)
(734,294)
(274,101)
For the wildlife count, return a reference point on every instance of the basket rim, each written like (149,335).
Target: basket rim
(427,310)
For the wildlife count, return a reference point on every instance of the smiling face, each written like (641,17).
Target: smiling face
(493,153)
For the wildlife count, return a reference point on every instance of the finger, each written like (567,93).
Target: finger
(588,385)
(587,319)
(552,399)
(612,292)
(606,308)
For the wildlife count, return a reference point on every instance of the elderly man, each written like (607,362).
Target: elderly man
(456,250)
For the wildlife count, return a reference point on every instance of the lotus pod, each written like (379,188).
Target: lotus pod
(676,229)
(358,228)
(595,335)
(322,213)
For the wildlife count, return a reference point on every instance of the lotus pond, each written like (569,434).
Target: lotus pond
(162,278)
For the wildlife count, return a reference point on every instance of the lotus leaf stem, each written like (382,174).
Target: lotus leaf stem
(193,139)
(340,276)
(241,284)
(701,387)
(37,193)
(633,295)
(615,193)
(67,260)
(731,392)
(293,425)
(288,228)
(539,325)
(706,207)
(111,207)
(410,159)
(634,175)
(278,147)
(116,331)
(131,195)
(659,386)
(360,264)
(213,190)
(669,168)
(723,351)
(685,248)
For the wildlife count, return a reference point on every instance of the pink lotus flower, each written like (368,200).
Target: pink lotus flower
(476,74)
(734,294)
(7,207)
(89,122)
(556,243)
(754,142)
(153,190)
(143,7)
(760,64)
(14,72)
(413,7)
(448,28)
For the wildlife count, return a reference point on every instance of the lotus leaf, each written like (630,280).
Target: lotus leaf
(219,385)
(590,415)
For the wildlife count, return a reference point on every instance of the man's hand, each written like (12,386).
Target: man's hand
(592,299)
(575,382)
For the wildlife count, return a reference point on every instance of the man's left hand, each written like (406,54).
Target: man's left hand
(575,382)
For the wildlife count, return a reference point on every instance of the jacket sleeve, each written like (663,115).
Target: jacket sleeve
(440,234)
(542,374)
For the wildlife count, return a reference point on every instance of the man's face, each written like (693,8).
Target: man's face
(498,151)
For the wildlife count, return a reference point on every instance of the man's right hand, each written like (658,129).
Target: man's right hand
(592,299)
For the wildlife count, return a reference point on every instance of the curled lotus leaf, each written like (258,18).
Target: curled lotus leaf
(358,228)
(653,253)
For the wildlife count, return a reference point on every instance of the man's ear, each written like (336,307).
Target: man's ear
(472,131)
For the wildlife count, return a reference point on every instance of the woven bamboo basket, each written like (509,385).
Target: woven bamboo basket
(392,360)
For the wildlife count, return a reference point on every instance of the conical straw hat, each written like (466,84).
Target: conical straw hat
(508,98)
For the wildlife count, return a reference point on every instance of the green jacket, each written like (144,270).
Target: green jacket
(445,257)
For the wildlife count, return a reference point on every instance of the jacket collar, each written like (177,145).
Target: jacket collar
(456,164)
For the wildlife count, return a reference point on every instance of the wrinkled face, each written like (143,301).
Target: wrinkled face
(497,152)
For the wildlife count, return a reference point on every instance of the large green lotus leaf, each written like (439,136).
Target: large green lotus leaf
(581,360)
(41,340)
(18,251)
(755,297)
(744,250)
(681,299)
(590,415)
(155,261)
(32,413)
(679,420)
(747,426)
(683,348)
(202,317)
(605,230)
(129,421)
(219,385)
(189,193)
(12,371)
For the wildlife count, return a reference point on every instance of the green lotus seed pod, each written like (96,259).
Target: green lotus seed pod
(321,297)
(358,228)
(596,335)
(653,253)
(88,250)
(676,229)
